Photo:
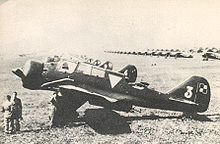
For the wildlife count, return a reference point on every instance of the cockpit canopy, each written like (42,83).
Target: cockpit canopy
(53,59)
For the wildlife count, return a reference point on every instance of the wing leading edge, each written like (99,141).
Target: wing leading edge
(81,90)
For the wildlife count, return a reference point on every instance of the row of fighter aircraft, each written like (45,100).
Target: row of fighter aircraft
(79,81)
(206,54)
(157,53)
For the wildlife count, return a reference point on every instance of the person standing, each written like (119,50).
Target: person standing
(8,121)
(17,111)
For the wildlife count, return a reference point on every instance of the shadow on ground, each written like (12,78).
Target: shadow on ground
(109,122)
(106,122)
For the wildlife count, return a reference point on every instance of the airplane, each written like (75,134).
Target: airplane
(156,53)
(211,55)
(78,82)
(183,55)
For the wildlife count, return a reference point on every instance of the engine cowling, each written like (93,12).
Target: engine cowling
(31,74)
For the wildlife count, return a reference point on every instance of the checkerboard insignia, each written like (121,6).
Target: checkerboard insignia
(203,88)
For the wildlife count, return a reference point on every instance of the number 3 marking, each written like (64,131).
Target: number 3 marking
(188,94)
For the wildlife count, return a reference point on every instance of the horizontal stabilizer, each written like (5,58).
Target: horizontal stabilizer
(183,101)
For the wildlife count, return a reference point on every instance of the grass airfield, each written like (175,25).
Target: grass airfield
(96,125)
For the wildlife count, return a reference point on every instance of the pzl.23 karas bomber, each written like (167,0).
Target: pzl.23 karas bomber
(82,81)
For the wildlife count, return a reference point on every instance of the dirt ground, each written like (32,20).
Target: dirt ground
(99,126)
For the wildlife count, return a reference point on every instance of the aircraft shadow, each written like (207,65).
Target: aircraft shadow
(109,122)
(106,122)
(196,117)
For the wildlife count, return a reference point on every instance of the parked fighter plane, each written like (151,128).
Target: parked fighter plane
(183,55)
(79,82)
(211,55)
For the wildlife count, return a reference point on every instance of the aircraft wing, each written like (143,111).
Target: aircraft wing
(81,90)
(57,84)
(54,84)
(68,84)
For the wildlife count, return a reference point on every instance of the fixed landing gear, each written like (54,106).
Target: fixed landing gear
(64,110)
(61,116)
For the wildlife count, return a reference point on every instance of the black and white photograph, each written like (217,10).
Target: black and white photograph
(109,72)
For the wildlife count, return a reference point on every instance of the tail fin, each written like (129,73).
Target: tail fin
(196,90)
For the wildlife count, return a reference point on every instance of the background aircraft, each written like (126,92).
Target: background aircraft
(211,55)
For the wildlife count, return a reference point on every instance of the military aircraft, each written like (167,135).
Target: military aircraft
(211,55)
(183,55)
(80,81)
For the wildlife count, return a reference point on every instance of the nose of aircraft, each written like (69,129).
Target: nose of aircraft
(31,74)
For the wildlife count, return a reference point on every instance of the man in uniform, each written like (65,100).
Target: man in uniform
(8,121)
(17,110)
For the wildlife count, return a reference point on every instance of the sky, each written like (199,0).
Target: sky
(90,26)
